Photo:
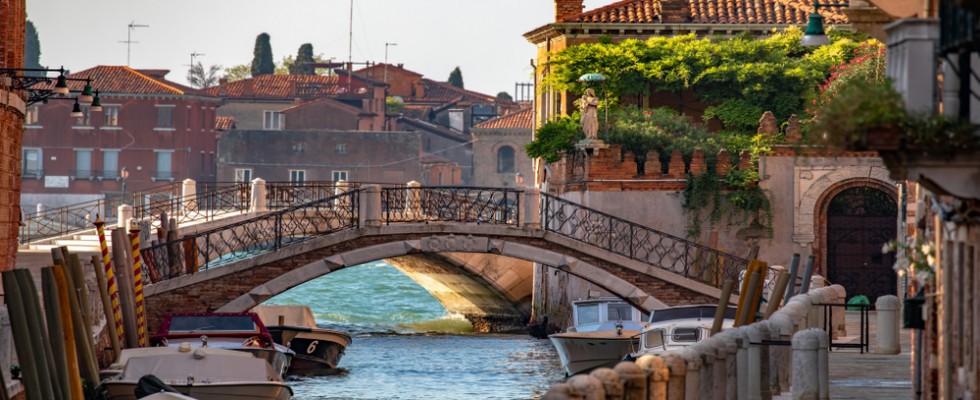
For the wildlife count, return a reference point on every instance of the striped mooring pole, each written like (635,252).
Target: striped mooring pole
(110,279)
(134,237)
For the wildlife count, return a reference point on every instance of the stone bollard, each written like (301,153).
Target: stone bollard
(823,366)
(781,328)
(125,213)
(413,200)
(719,381)
(532,208)
(612,384)
(590,387)
(657,375)
(258,196)
(189,194)
(839,313)
(730,347)
(758,375)
(706,384)
(370,210)
(692,380)
(562,391)
(887,326)
(634,380)
(742,362)
(806,383)
(677,368)
(341,188)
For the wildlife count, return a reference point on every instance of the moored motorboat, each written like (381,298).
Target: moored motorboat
(230,331)
(605,330)
(678,327)
(203,373)
(317,350)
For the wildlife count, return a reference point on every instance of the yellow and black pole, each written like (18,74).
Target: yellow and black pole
(110,279)
(134,236)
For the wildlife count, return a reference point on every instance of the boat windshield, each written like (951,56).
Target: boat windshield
(619,312)
(653,339)
(686,335)
(587,314)
(212,323)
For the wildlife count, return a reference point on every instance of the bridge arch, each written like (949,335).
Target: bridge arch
(242,285)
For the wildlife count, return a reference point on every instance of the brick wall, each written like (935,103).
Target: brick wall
(13,17)
(567,10)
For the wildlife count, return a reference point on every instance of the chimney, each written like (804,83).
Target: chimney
(568,10)
(222,87)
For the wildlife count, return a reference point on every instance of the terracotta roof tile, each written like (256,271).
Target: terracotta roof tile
(442,92)
(326,102)
(523,119)
(286,87)
(109,79)
(416,111)
(224,123)
(711,12)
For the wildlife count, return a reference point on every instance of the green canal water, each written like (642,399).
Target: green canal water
(406,346)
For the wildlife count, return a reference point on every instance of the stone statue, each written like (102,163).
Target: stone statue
(590,122)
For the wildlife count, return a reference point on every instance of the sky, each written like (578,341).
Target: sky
(484,38)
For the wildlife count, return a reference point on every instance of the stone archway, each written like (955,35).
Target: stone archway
(854,219)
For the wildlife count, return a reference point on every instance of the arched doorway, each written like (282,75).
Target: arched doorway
(859,221)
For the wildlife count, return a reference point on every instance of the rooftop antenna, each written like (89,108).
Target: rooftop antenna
(350,45)
(195,54)
(129,38)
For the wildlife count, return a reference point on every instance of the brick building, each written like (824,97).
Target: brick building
(13,19)
(151,132)
(499,159)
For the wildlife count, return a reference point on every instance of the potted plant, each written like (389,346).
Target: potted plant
(862,117)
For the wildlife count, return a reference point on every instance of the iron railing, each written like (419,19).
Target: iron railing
(245,239)
(201,206)
(638,242)
(288,194)
(452,204)
(79,217)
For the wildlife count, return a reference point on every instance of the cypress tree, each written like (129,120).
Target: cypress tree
(456,78)
(32,49)
(304,57)
(262,63)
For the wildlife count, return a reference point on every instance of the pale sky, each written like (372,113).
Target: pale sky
(484,38)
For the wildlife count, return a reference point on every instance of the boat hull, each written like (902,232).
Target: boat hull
(123,390)
(318,351)
(584,351)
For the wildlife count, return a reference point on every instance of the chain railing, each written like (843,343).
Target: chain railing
(245,239)
(451,204)
(79,217)
(638,242)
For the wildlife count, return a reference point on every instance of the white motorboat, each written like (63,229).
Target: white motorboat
(677,327)
(318,350)
(204,373)
(605,330)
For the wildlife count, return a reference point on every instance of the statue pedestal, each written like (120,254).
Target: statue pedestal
(590,145)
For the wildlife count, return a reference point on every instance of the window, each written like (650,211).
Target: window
(338,176)
(164,165)
(297,175)
(31,117)
(111,115)
(31,163)
(653,339)
(110,164)
(243,174)
(619,312)
(83,163)
(165,117)
(84,119)
(686,335)
(340,148)
(587,314)
(505,159)
(272,120)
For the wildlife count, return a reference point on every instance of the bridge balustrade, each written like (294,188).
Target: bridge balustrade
(451,204)
(638,242)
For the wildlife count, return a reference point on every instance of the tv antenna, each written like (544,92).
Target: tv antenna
(195,54)
(129,38)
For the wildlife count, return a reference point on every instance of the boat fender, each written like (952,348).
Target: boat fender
(204,340)
(184,347)
(150,384)
(619,329)
(199,354)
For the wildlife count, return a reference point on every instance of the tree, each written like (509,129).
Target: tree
(304,59)
(32,49)
(262,63)
(504,96)
(286,64)
(238,72)
(456,78)
(200,78)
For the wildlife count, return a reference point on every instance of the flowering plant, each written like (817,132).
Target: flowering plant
(919,258)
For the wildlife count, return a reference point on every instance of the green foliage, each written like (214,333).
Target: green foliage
(32,48)
(555,139)
(737,79)
(202,78)
(287,63)
(394,104)
(456,78)
(262,63)
(737,196)
(238,72)
(504,96)
(304,59)
(855,110)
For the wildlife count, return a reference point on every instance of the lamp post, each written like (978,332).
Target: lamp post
(814,34)
(123,174)
(30,81)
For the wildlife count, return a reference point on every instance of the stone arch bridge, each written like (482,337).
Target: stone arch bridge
(238,266)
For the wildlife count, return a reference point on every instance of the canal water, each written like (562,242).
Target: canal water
(406,346)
